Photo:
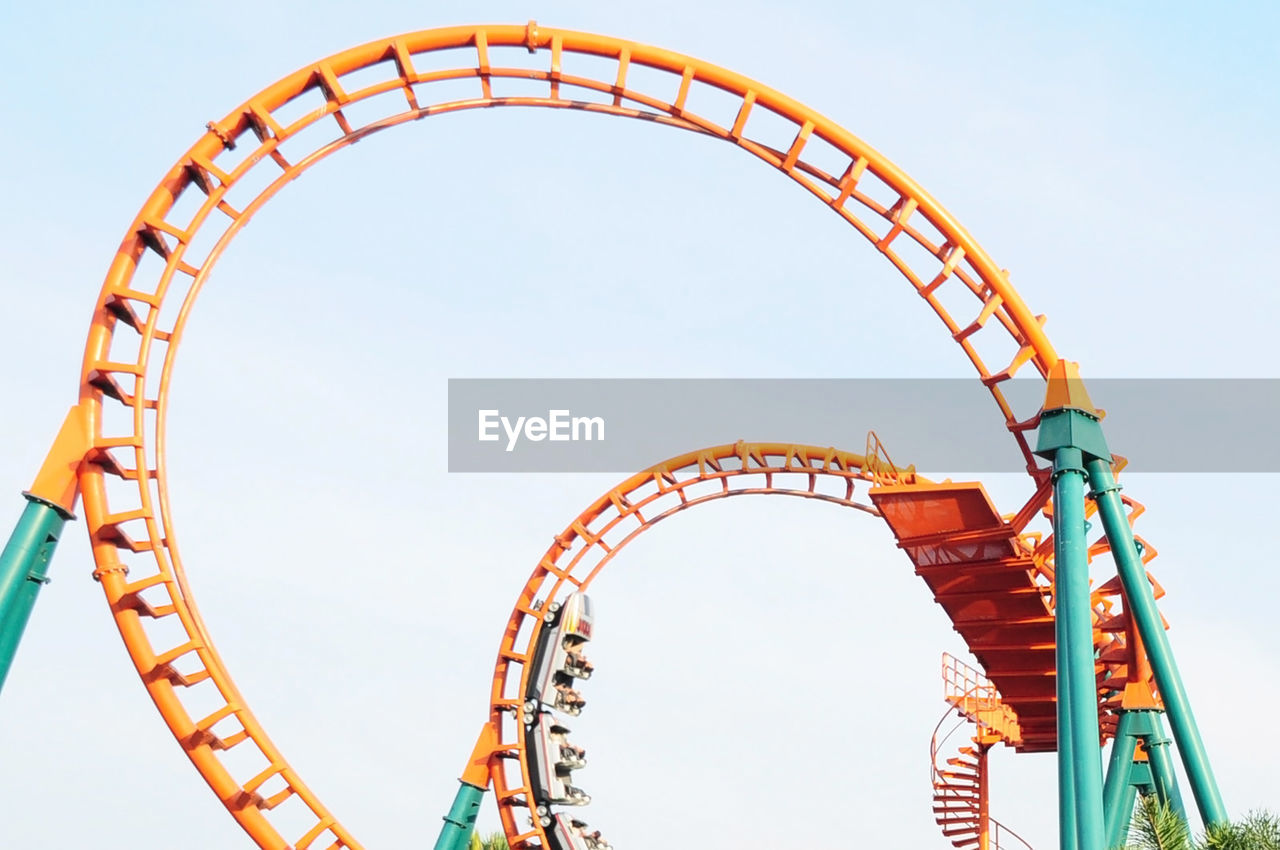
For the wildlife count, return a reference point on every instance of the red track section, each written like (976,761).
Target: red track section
(986,581)
(996,585)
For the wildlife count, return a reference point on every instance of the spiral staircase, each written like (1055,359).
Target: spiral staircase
(977,716)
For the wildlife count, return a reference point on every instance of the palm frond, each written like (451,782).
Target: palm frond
(1158,827)
(495,841)
(1257,831)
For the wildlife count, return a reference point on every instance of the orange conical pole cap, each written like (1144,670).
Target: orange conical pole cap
(1066,389)
(57,483)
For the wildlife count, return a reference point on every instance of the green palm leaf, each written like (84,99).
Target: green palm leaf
(1157,827)
(494,841)
(1257,831)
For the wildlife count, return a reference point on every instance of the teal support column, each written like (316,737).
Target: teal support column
(1142,606)
(1129,796)
(461,820)
(24,568)
(1117,786)
(1126,777)
(1078,737)
(1070,435)
(1068,830)
(1161,761)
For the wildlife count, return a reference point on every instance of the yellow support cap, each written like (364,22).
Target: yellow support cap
(57,483)
(1066,389)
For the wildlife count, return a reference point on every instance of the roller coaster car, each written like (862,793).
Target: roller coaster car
(558,658)
(568,833)
(552,759)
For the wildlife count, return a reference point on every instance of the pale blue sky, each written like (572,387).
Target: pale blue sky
(1119,162)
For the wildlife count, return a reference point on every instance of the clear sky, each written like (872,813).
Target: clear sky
(1119,161)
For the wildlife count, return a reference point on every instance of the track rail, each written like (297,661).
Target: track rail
(280,132)
(606,527)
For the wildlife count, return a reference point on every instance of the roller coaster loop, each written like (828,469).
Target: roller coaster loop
(1113,667)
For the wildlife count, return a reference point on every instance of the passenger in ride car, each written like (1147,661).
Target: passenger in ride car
(569,697)
(593,839)
(576,659)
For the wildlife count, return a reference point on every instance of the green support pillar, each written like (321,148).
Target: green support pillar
(1070,435)
(1116,790)
(1142,607)
(1128,799)
(1163,778)
(1126,776)
(1078,736)
(24,567)
(461,820)
(1068,827)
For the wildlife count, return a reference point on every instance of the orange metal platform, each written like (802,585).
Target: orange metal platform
(992,586)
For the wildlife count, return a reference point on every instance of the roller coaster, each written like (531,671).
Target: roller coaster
(1066,665)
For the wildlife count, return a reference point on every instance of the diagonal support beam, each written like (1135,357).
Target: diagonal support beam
(24,569)
(24,561)
(1140,763)
(1142,605)
(460,823)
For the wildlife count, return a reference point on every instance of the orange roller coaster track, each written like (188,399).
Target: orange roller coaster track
(600,533)
(864,482)
(117,430)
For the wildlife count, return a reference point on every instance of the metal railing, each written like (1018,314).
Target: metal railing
(976,698)
(999,836)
